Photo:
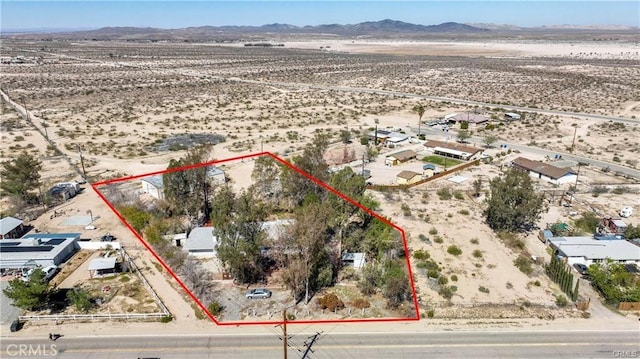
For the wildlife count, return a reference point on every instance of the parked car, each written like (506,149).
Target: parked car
(581,268)
(260,293)
(107,238)
(49,272)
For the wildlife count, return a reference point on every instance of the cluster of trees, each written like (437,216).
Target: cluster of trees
(35,294)
(614,282)
(324,226)
(560,272)
(513,204)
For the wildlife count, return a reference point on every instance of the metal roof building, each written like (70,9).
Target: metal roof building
(41,249)
(587,250)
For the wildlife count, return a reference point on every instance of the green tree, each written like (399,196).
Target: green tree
(238,226)
(80,299)
(513,204)
(477,187)
(464,125)
(20,176)
(463,135)
(296,186)
(188,190)
(396,284)
(345,136)
(419,109)
(306,242)
(489,140)
(30,295)
(614,282)
(632,232)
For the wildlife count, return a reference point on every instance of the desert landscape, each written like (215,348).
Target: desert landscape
(101,110)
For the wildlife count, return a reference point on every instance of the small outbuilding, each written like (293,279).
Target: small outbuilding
(512,116)
(100,267)
(11,227)
(355,260)
(399,157)
(408,177)
(153,185)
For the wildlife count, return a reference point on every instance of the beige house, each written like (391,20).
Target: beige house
(408,177)
(399,157)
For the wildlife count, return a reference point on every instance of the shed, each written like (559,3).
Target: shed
(399,157)
(355,260)
(102,266)
(428,170)
(408,177)
(153,185)
(512,116)
(11,227)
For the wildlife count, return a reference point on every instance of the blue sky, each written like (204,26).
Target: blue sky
(25,14)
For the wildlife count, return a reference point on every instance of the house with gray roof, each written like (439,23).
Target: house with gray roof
(41,249)
(588,250)
(201,242)
(11,227)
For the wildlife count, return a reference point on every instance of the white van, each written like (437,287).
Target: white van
(626,212)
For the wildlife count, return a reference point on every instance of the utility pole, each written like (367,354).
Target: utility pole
(573,143)
(84,174)
(284,332)
(314,338)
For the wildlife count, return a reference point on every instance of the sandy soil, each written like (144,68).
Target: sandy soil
(112,105)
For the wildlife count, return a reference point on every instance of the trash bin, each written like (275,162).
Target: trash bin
(15,326)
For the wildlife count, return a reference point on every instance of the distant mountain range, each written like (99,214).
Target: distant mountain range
(382,28)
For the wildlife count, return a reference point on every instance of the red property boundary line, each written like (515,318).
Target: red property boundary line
(301,172)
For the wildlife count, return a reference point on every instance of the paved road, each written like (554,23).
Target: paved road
(498,344)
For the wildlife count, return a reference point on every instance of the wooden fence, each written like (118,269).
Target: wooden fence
(461,167)
(629,306)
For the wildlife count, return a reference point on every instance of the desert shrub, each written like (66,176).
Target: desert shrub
(509,285)
(454,278)
(423,238)
(430,313)
(561,300)
(524,264)
(444,194)
(454,250)
(215,308)
(587,223)
(442,280)
(474,241)
(330,302)
(406,211)
(464,212)
(438,239)
(361,303)
(458,195)
(511,240)
(446,292)
(432,273)
(598,190)
(421,254)
(477,253)
(483,289)
(433,231)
